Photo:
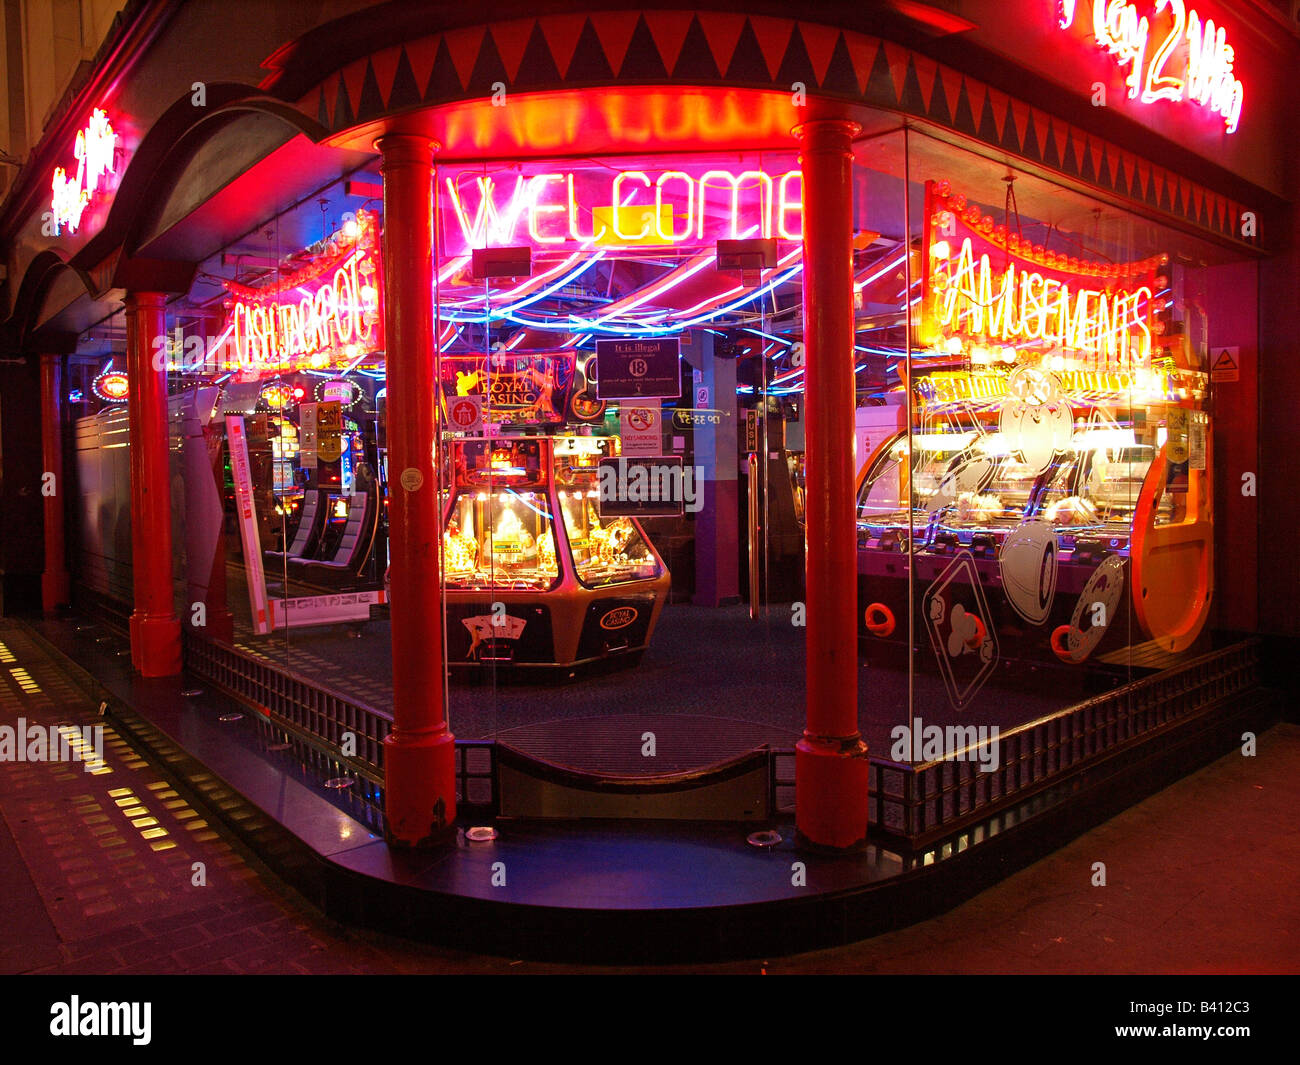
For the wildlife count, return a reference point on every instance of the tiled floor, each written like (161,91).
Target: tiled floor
(99,873)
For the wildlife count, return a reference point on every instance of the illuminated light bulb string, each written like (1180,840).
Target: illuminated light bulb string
(945,200)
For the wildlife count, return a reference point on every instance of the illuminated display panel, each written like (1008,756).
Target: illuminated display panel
(624,207)
(111,386)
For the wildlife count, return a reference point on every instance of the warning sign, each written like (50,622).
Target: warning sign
(641,429)
(1225,365)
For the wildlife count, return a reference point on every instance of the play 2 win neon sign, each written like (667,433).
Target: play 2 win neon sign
(95,151)
(1172,54)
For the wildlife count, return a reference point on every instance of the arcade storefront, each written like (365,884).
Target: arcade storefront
(719,379)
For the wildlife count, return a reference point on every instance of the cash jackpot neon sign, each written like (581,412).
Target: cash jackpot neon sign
(992,286)
(619,208)
(95,150)
(327,314)
(1172,54)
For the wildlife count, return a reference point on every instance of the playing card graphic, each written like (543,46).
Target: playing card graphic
(957,619)
(485,628)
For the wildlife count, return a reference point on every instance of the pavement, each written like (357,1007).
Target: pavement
(111,871)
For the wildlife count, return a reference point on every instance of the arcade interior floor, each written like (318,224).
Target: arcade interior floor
(718,681)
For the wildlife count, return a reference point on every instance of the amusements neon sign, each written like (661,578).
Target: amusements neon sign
(624,208)
(986,284)
(1189,60)
(327,314)
(95,151)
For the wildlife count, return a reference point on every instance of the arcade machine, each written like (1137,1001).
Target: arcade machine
(1062,473)
(537,574)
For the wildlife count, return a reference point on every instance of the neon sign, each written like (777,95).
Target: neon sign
(327,314)
(990,285)
(1189,60)
(111,386)
(620,208)
(95,151)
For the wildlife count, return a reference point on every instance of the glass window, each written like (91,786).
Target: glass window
(500,537)
(609,551)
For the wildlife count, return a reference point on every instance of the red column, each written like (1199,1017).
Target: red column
(419,754)
(155,629)
(54,581)
(831,759)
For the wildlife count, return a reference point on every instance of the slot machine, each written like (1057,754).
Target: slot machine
(535,576)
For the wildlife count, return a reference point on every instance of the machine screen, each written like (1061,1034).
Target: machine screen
(500,537)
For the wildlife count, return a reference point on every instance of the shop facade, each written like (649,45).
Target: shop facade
(864,386)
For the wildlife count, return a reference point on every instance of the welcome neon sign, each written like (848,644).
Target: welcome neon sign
(96,153)
(620,208)
(986,284)
(328,313)
(1187,59)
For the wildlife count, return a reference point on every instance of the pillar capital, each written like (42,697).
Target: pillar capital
(405,149)
(825,131)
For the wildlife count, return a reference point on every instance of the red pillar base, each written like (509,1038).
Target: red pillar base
(833,804)
(420,783)
(54,591)
(156,645)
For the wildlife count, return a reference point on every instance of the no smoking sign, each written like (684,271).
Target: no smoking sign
(641,430)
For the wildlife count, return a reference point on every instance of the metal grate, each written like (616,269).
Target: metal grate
(916,803)
(923,801)
(314,721)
